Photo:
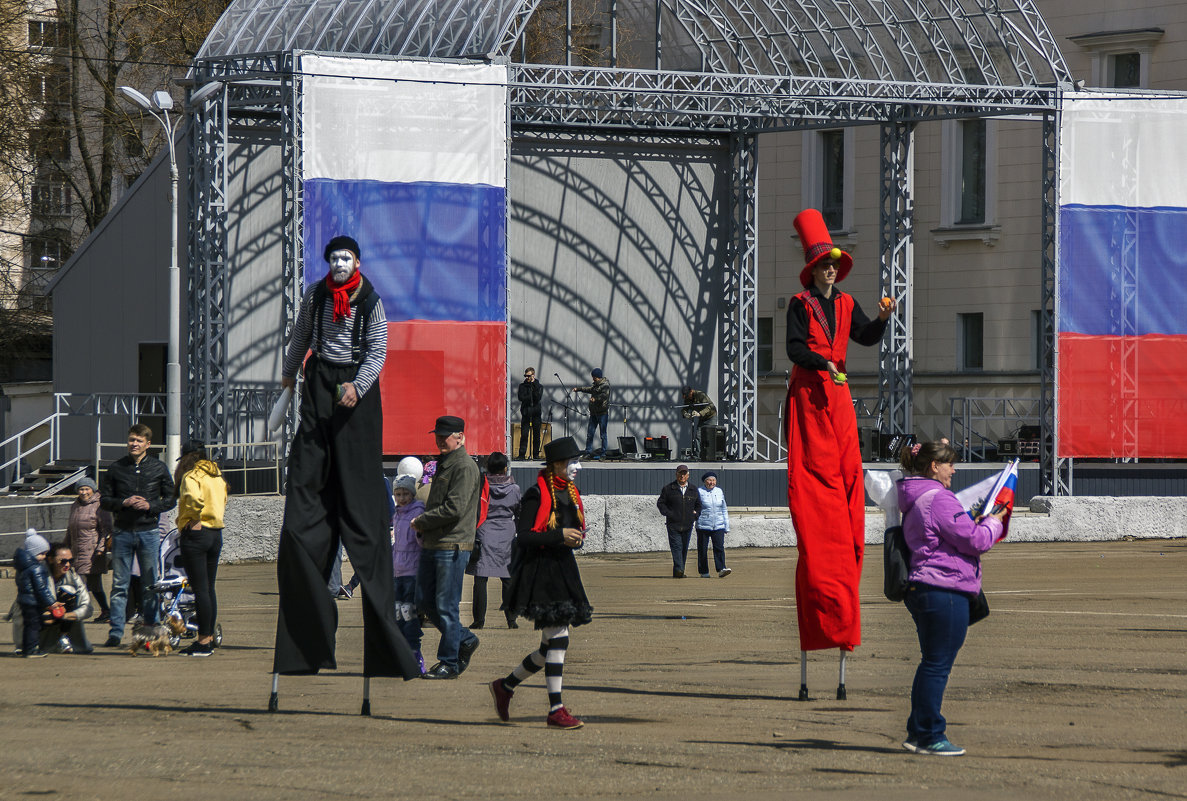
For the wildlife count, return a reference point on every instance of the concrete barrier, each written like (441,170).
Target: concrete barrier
(631,524)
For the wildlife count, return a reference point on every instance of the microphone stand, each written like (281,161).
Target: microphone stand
(565,403)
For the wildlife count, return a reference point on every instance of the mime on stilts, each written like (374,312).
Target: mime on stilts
(825,492)
(335,489)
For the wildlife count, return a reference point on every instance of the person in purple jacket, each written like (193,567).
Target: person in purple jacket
(406,561)
(945,575)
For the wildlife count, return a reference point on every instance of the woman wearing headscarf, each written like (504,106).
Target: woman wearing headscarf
(87,531)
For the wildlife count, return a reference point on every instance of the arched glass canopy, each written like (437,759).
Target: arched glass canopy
(991,43)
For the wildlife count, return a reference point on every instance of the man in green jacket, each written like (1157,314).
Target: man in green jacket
(447,536)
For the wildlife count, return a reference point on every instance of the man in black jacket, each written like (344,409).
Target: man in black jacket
(531,395)
(680,505)
(137,489)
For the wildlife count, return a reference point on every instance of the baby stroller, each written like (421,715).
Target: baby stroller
(176,600)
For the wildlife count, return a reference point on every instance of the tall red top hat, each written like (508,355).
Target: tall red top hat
(818,246)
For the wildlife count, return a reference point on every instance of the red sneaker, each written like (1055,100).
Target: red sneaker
(561,719)
(502,698)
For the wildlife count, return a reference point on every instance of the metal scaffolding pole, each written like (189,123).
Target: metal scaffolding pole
(739,315)
(1056,472)
(896,263)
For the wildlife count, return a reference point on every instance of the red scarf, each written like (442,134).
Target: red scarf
(545,510)
(342,292)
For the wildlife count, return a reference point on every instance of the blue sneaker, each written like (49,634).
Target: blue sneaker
(940,748)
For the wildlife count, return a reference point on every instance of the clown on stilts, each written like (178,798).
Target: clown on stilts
(335,492)
(824,475)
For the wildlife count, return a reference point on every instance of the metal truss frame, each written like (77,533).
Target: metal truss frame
(764,65)
(739,314)
(1056,473)
(207,276)
(895,275)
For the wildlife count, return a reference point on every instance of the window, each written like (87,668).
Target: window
(970,163)
(1121,59)
(1127,70)
(50,141)
(44,34)
(970,341)
(832,186)
(972,172)
(49,86)
(766,344)
(51,199)
(48,251)
(827,159)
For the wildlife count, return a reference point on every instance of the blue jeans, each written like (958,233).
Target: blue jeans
(678,541)
(439,596)
(146,547)
(704,537)
(941,621)
(596,421)
(406,617)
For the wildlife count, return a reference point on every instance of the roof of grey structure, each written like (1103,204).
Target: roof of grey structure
(988,43)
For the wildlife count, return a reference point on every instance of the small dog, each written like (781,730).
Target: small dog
(154,639)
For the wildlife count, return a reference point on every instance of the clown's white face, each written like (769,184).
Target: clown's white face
(342,265)
(572,469)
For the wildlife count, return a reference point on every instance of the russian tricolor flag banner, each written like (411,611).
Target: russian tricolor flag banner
(410,159)
(1121,328)
(991,495)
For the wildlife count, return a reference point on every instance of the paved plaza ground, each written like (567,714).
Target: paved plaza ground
(1073,688)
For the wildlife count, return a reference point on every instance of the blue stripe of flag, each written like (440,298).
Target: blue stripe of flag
(433,251)
(1093,240)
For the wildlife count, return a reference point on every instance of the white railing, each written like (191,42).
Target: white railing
(50,534)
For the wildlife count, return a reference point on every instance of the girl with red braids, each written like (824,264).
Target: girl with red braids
(545,583)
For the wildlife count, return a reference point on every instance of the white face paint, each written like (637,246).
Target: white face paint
(342,265)
(572,469)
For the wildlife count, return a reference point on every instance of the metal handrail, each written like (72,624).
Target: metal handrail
(27,506)
(225,468)
(21,454)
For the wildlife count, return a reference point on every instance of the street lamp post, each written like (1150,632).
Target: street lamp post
(159,107)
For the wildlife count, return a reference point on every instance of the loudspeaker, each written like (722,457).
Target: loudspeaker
(867,441)
(1030,432)
(712,443)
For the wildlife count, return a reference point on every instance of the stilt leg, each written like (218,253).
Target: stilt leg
(274,699)
(841,681)
(803,676)
(366,696)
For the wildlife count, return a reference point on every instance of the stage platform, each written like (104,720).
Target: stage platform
(745,484)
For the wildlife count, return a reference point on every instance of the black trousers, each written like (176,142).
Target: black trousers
(529,423)
(199,553)
(336,494)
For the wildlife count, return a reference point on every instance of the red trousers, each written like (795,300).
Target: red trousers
(827,501)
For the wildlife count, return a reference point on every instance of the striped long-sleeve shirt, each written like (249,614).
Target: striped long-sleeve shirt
(335,345)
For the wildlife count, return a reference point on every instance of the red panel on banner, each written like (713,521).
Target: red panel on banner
(435,368)
(1098,419)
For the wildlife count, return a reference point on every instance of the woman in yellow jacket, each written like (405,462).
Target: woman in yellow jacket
(202,500)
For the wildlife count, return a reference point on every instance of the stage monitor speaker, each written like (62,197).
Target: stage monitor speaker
(712,443)
(867,441)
